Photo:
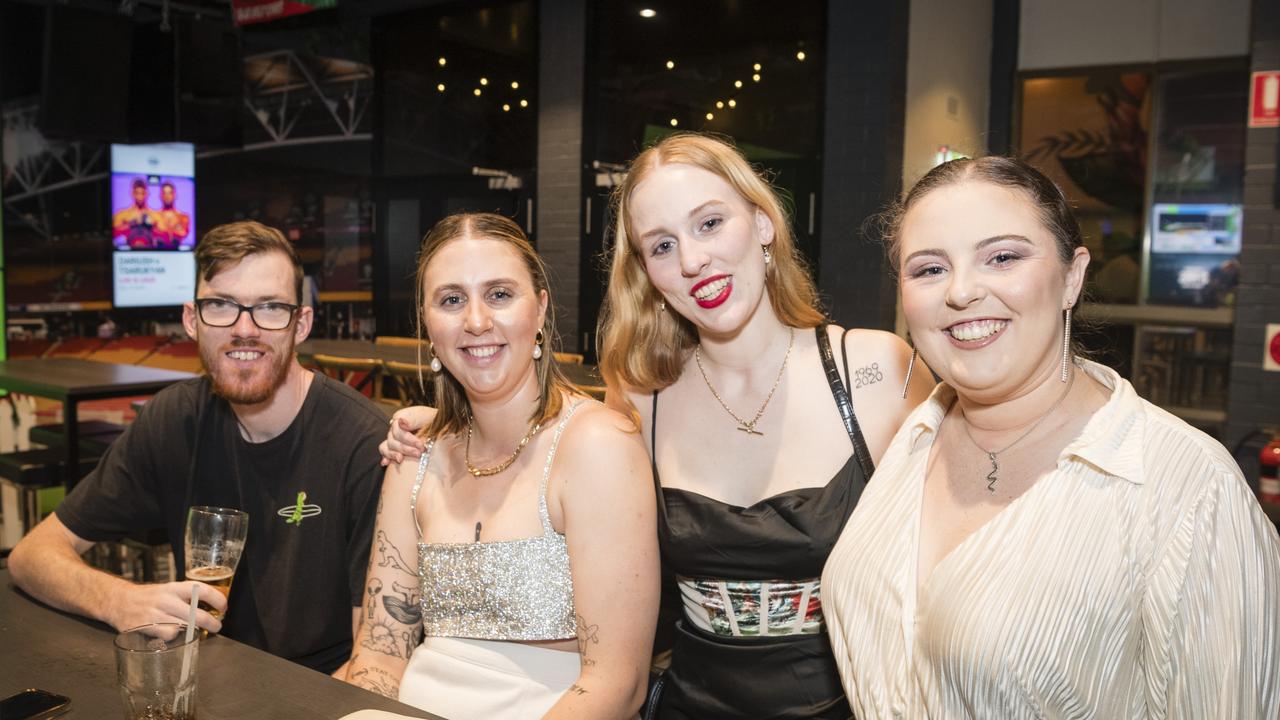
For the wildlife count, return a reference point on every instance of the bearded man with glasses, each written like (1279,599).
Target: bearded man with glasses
(294,449)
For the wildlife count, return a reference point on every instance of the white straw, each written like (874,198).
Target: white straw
(191,617)
(186,649)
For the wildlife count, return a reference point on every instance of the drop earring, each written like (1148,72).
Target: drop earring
(911,366)
(537,347)
(662,305)
(435,361)
(1066,341)
(768,257)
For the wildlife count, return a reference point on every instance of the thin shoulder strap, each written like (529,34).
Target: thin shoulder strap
(546,471)
(653,431)
(840,393)
(417,485)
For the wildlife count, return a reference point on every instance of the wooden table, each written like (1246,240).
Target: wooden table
(583,375)
(68,655)
(72,381)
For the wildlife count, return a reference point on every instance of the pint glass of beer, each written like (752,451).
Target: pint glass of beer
(214,542)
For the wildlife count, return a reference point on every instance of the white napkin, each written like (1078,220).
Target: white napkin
(375,715)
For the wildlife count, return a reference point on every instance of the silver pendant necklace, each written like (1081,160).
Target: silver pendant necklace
(992,455)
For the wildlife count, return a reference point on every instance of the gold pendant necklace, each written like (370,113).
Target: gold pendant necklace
(487,471)
(746,426)
(993,476)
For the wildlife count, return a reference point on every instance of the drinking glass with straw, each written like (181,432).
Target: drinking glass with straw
(156,668)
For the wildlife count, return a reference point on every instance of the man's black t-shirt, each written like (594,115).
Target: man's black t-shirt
(298,581)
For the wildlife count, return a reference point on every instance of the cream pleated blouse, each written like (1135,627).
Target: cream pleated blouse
(1138,579)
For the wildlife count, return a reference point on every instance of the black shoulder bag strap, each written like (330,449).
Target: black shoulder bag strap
(841,395)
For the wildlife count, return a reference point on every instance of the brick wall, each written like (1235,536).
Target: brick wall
(558,215)
(862,155)
(1254,393)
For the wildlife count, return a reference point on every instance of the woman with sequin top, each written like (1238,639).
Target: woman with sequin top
(712,340)
(535,585)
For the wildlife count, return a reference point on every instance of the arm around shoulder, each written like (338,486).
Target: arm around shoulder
(607,496)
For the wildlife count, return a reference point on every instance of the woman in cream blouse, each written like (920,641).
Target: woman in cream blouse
(1038,541)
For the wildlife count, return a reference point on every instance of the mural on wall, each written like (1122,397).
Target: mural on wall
(1089,134)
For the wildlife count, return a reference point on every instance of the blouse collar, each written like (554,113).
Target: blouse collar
(1112,440)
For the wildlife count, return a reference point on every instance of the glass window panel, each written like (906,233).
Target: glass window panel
(1198,187)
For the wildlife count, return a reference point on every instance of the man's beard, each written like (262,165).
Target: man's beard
(238,388)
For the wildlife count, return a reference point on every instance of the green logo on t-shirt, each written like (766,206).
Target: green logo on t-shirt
(299,510)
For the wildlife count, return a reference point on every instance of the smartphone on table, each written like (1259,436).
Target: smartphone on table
(32,704)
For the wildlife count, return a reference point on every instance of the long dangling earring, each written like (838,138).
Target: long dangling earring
(910,367)
(537,348)
(435,361)
(1066,341)
(768,257)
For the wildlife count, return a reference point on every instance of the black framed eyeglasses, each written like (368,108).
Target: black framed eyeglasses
(220,312)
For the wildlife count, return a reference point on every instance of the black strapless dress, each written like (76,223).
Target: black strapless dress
(787,536)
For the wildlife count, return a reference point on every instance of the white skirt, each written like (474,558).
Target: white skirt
(464,679)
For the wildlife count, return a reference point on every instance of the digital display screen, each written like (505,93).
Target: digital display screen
(1196,229)
(1193,254)
(153,224)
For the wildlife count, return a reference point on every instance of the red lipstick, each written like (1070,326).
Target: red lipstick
(715,300)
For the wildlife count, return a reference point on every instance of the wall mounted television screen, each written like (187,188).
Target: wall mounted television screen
(1194,250)
(153,224)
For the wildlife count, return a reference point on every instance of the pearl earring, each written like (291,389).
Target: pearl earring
(435,364)
(537,347)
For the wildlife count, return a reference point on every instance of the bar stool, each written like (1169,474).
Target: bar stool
(94,435)
(29,472)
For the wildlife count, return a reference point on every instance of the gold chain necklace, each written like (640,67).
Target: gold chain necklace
(746,426)
(995,468)
(485,472)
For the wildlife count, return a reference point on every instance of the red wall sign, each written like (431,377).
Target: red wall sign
(1264,99)
(1271,351)
(247,12)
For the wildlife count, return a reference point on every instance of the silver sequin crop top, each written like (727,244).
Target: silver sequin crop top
(503,590)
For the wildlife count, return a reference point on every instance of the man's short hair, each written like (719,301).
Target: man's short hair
(167,184)
(228,244)
(139,183)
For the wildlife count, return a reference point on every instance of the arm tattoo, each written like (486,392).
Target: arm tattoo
(404,609)
(383,637)
(588,635)
(374,587)
(869,375)
(377,680)
(389,555)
